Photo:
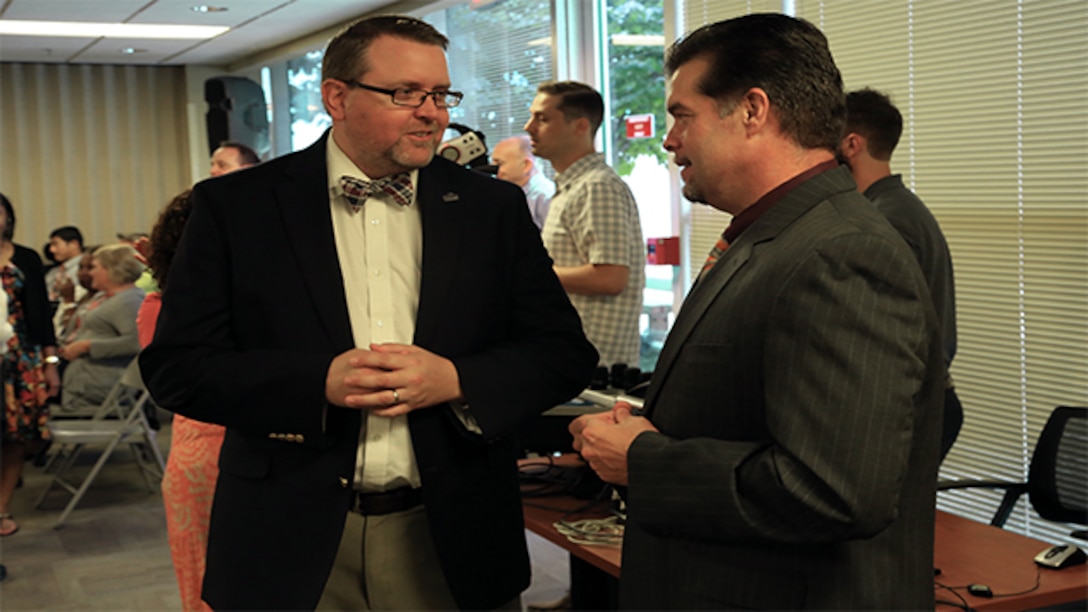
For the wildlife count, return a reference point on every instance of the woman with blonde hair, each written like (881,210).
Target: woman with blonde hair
(106,340)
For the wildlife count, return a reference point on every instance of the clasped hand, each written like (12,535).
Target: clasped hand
(391,379)
(603,440)
(75,350)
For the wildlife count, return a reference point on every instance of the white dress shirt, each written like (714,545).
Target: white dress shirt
(380,248)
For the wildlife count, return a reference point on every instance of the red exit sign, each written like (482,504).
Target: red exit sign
(640,126)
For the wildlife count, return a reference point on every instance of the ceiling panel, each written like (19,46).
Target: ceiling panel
(109,51)
(40,49)
(181,11)
(105,11)
(256,25)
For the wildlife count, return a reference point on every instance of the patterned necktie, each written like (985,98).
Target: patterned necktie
(398,187)
(715,254)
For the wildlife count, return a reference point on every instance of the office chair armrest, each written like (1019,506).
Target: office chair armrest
(1013,491)
(943,485)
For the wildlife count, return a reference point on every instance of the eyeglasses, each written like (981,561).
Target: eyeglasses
(403,96)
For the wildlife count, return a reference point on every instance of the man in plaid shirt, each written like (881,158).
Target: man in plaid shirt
(592,232)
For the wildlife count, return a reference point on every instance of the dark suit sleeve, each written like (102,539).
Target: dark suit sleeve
(195,364)
(842,360)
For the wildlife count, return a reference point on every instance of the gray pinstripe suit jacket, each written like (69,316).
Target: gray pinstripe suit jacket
(799,400)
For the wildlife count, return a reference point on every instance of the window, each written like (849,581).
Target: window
(634,60)
(307,113)
(498,55)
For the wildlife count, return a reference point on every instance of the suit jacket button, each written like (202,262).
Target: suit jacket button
(343,482)
(300,438)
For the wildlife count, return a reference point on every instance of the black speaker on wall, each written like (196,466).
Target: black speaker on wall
(237,111)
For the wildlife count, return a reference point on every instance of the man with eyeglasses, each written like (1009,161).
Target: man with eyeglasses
(370,322)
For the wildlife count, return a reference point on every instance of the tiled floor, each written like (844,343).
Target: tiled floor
(111,553)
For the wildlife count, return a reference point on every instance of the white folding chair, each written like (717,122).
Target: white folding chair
(120,419)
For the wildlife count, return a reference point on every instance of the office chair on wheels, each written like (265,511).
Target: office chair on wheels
(1057,484)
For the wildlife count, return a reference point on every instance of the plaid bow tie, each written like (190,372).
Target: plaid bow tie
(398,187)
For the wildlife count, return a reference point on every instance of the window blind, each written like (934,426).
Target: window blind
(498,55)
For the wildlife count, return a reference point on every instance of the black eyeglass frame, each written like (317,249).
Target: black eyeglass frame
(441,99)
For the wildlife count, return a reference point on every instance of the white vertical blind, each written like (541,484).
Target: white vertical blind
(103,148)
(996,143)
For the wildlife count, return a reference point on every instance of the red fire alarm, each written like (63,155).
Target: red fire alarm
(663,251)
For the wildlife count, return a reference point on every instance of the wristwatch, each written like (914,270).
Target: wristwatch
(52,359)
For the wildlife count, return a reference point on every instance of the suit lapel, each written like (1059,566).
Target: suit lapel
(695,305)
(303,201)
(794,205)
(440,204)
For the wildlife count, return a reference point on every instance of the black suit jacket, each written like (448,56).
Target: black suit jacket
(254,313)
(799,398)
(36,308)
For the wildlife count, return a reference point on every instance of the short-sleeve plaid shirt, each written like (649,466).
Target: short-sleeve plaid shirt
(594,219)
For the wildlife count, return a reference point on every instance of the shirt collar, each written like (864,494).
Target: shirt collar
(72,263)
(749,215)
(886,183)
(577,169)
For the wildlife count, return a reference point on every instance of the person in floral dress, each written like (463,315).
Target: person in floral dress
(30,364)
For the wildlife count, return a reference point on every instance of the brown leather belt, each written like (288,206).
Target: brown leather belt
(386,502)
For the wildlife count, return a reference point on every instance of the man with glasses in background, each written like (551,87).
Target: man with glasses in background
(371,365)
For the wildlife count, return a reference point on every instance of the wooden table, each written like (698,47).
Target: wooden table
(969,552)
(965,551)
(541,522)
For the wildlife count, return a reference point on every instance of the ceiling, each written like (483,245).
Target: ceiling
(255,25)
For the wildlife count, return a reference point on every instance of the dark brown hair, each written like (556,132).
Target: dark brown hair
(166,234)
(345,57)
(872,114)
(787,58)
(576,100)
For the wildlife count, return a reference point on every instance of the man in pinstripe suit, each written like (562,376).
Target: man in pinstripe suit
(788,455)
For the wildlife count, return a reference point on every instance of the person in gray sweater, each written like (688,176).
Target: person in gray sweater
(106,339)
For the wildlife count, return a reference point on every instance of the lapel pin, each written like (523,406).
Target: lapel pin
(450,197)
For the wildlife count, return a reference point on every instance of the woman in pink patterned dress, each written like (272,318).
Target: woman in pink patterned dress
(192,467)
